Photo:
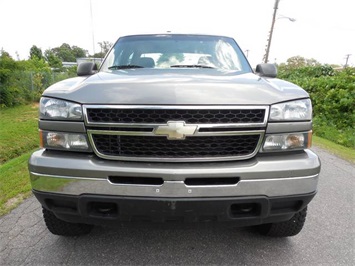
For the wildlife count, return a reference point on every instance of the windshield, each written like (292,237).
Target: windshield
(176,51)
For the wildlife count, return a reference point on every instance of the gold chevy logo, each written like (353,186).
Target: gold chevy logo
(175,130)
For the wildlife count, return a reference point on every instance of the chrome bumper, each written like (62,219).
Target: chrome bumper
(271,176)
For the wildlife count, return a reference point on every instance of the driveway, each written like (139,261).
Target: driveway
(327,239)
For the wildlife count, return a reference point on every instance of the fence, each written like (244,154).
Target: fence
(27,86)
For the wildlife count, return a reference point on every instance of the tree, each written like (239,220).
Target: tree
(7,66)
(299,61)
(34,64)
(36,52)
(4,54)
(53,60)
(67,53)
(105,46)
(78,52)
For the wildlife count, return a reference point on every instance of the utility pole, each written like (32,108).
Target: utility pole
(276,6)
(347,60)
(247,52)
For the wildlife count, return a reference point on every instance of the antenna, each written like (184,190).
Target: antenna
(92,29)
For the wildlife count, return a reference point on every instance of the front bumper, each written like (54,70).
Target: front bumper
(269,175)
(111,210)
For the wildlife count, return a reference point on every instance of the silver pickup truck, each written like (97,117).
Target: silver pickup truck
(175,127)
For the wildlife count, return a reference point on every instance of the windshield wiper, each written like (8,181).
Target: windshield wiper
(124,67)
(192,66)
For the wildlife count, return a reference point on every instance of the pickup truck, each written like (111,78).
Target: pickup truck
(175,127)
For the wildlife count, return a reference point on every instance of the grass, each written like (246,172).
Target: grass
(340,151)
(329,131)
(18,137)
(14,183)
(18,131)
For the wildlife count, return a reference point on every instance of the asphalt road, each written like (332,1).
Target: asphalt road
(327,239)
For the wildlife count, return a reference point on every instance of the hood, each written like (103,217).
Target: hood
(175,87)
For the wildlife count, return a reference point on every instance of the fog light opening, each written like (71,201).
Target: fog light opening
(245,209)
(103,209)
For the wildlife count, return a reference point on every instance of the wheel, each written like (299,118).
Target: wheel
(283,229)
(63,228)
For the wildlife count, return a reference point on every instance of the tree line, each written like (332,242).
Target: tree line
(23,81)
(66,53)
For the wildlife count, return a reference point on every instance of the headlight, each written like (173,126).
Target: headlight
(59,109)
(287,141)
(64,141)
(299,110)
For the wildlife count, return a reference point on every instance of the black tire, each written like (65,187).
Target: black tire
(63,228)
(289,228)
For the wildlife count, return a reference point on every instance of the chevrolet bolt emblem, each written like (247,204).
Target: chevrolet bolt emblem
(176,130)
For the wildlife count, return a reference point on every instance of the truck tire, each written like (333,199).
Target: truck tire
(63,228)
(283,229)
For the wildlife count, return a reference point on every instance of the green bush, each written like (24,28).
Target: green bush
(27,86)
(333,97)
(24,81)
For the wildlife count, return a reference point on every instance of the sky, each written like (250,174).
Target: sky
(323,30)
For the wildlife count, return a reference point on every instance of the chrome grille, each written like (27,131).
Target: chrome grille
(175,133)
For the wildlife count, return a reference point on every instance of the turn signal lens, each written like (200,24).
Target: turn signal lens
(65,141)
(287,141)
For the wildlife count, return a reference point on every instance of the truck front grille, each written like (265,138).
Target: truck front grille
(175,133)
(161,147)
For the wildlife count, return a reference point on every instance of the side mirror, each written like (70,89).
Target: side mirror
(86,69)
(266,70)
